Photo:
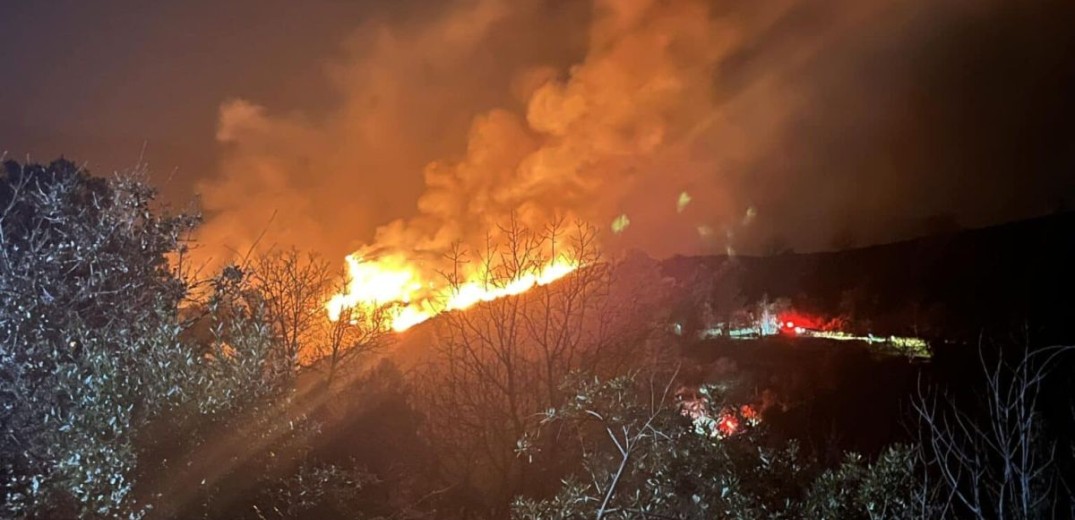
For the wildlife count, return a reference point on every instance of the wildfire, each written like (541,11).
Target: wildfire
(395,281)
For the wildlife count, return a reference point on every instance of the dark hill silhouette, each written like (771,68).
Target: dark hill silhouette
(957,285)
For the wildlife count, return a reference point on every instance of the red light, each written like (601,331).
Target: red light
(748,412)
(728,425)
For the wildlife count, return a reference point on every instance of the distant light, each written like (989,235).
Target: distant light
(705,231)
(620,223)
(749,216)
(790,325)
(681,203)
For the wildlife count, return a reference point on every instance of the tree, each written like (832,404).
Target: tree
(88,313)
(726,296)
(357,331)
(500,362)
(887,489)
(648,454)
(991,457)
(129,390)
(294,288)
(643,457)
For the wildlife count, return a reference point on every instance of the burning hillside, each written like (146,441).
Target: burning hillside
(630,103)
(416,285)
(395,282)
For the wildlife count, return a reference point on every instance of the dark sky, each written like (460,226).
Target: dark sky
(830,120)
(97,80)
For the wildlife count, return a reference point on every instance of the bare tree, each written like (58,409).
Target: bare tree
(359,330)
(293,287)
(995,462)
(500,363)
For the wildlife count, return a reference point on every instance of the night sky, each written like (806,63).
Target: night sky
(833,121)
(95,81)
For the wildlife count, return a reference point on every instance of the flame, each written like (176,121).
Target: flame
(395,281)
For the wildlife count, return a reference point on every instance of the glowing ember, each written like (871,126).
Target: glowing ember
(728,425)
(750,414)
(682,202)
(396,282)
(729,421)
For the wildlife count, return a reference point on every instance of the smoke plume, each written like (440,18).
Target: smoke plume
(695,125)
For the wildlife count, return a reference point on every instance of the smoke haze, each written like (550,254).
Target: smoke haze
(789,121)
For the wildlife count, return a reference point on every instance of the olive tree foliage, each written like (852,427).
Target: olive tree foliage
(89,349)
(127,388)
(890,487)
(501,362)
(644,458)
(314,491)
(239,432)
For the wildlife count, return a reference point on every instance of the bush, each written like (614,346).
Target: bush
(644,460)
(884,489)
(120,394)
(88,335)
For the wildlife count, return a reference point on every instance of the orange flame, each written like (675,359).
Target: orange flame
(394,281)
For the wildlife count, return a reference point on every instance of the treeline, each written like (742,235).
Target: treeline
(133,384)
